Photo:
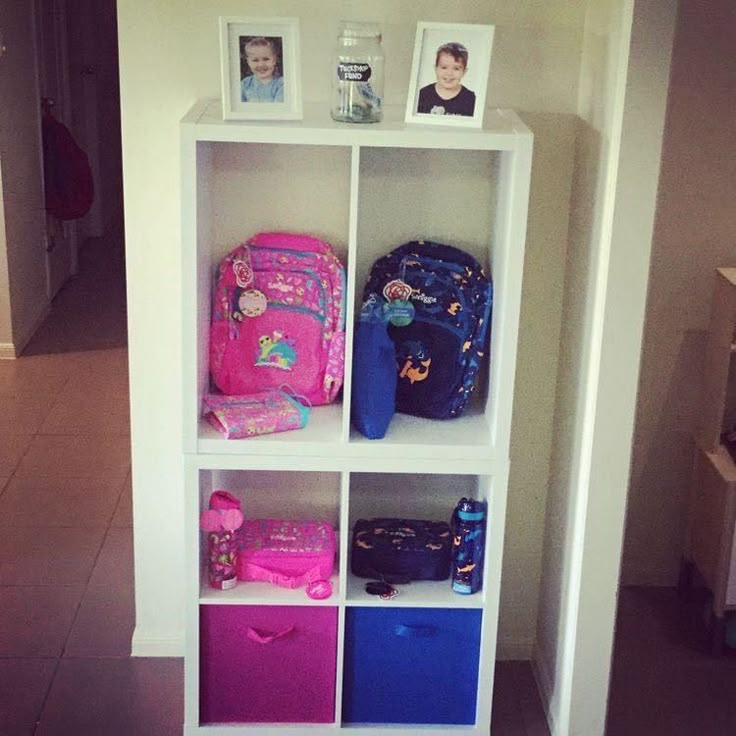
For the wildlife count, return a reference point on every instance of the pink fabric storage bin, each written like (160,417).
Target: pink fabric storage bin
(267,664)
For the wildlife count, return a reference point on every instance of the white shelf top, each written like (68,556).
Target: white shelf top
(502,130)
(407,434)
(265,594)
(417,594)
(412,444)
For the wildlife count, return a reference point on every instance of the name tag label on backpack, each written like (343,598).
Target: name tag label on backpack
(251,303)
(399,311)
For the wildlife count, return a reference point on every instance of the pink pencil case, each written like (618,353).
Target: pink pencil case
(250,415)
(284,552)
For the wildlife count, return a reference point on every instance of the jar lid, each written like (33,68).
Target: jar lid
(352,29)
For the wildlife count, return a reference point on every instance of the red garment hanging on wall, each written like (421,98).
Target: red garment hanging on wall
(67,173)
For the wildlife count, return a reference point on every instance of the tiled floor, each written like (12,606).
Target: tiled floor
(66,537)
(66,572)
(664,682)
(66,547)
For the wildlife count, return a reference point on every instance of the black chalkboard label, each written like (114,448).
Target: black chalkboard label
(353,72)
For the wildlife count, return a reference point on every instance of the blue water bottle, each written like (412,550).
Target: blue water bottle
(468,545)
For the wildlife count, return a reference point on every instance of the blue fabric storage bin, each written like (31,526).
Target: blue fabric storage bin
(411,665)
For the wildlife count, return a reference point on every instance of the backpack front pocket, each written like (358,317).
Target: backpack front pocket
(281,346)
(427,355)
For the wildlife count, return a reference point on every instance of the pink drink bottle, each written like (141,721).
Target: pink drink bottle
(221,521)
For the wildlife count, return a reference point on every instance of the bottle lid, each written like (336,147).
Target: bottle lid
(470,510)
(352,29)
(471,515)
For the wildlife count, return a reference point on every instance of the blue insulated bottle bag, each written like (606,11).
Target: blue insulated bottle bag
(468,546)
(374,372)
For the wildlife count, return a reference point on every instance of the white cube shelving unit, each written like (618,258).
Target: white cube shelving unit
(365,189)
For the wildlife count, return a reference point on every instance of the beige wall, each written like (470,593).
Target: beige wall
(695,232)
(169,57)
(23,299)
(536,374)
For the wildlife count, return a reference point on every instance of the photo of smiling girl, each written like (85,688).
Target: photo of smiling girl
(447,95)
(261,77)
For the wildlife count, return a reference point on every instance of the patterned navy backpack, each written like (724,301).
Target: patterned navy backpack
(438,302)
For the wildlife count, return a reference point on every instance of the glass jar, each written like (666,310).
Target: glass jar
(357,80)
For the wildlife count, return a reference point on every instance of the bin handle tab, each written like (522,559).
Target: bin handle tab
(414,632)
(266,637)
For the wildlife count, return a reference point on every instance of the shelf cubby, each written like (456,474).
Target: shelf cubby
(241,190)
(413,496)
(273,495)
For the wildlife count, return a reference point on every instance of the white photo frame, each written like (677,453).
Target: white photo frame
(261,71)
(451,44)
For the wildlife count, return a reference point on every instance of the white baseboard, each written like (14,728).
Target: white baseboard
(12,350)
(543,675)
(7,351)
(157,643)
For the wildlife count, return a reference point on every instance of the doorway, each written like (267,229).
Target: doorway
(79,80)
(664,678)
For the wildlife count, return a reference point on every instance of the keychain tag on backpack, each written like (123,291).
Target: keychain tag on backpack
(251,302)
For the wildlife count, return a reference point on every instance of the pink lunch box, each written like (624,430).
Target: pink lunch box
(284,552)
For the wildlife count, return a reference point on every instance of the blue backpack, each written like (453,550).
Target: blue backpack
(438,301)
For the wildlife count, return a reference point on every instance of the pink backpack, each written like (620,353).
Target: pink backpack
(289,554)
(278,318)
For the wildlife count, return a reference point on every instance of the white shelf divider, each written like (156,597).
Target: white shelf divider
(350,315)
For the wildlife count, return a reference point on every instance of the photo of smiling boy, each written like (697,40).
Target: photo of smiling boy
(262,80)
(448,95)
